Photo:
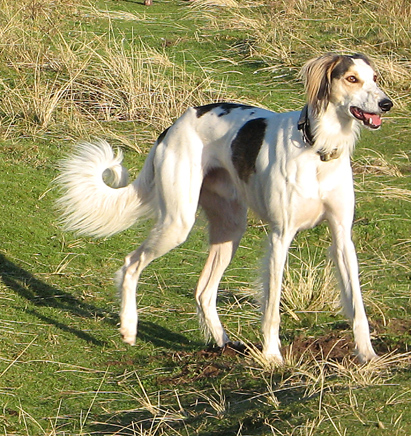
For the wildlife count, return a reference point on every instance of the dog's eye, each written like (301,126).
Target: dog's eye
(351,79)
(375,78)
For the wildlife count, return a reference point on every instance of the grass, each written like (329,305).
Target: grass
(121,71)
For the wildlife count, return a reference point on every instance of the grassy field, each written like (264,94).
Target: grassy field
(72,69)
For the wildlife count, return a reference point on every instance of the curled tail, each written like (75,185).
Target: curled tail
(96,199)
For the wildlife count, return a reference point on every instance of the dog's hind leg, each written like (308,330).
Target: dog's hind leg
(163,238)
(227,222)
(177,192)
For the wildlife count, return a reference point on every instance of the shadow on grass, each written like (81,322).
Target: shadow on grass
(162,337)
(41,294)
(193,416)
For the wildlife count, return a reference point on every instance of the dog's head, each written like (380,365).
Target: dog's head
(347,82)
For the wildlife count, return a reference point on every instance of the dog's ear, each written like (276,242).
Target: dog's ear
(317,76)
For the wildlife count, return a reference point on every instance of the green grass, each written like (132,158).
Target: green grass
(118,70)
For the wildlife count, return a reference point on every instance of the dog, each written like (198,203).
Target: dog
(292,169)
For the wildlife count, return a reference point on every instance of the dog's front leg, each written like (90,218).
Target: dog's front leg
(277,255)
(345,258)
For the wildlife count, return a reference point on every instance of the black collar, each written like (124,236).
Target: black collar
(304,126)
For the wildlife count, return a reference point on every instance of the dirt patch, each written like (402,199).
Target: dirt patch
(331,346)
(395,336)
(203,364)
(399,326)
(214,362)
(337,345)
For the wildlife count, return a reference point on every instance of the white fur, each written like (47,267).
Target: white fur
(288,185)
(94,208)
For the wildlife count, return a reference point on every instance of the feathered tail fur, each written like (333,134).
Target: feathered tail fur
(96,200)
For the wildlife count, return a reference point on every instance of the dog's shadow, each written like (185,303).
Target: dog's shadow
(40,294)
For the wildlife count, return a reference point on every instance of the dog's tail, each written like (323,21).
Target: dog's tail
(96,199)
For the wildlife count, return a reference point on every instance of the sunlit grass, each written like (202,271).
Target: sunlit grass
(118,70)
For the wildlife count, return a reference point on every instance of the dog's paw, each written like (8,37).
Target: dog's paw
(271,361)
(128,334)
(367,356)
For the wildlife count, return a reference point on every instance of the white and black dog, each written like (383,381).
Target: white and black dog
(292,169)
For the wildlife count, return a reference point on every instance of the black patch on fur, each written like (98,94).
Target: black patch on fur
(342,67)
(162,136)
(345,63)
(362,57)
(226,108)
(246,146)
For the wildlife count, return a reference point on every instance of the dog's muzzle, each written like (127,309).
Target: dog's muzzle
(370,119)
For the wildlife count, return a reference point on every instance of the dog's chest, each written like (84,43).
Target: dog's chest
(295,191)
(303,193)
(312,189)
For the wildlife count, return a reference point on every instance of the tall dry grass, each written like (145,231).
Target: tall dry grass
(311,287)
(73,82)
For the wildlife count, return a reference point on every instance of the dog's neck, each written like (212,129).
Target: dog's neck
(329,133)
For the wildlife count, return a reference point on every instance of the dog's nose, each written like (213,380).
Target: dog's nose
(385,104)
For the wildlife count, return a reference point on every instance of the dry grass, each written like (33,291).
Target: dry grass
(322,381)
(89,80)
(282,34)
(394,193)
(206,4)
(115,15)
(74,87)
(315,373)
(309,288)
(384,190)
(376,164)
(106,83)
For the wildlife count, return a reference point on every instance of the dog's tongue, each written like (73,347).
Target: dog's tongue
(373,119)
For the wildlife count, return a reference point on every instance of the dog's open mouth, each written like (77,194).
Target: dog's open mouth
(370,120)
